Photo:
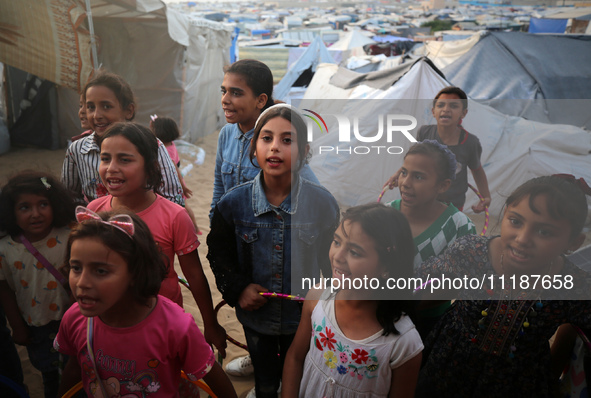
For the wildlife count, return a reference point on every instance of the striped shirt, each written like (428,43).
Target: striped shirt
(80,171)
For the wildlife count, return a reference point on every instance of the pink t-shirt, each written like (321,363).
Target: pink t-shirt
(142,360)
(174,155)
(173,231)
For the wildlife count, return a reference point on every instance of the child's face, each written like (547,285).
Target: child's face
(239,103)
(122,167)
(82,115)
(419,182)
(34,215)
(100,279)
(103,109)
(276,146)
(448,110)
(530,241)
(353,254)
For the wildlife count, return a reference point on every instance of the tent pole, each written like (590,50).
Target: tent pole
(92,38)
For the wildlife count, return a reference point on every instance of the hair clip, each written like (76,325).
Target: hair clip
(45,183)
(391,248)
(580,182)
(154,117)
(451,157)
(122,222)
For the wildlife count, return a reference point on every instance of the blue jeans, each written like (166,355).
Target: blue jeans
(267,354)
(44,357)
(10,363)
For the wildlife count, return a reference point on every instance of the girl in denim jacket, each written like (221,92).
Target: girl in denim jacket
(280,227)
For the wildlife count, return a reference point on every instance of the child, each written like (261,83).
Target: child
(83,120)
(450,106)
(360,347)
(167,131)
(129,170)
(427,172)
(246,92)
(267,233)
(108,99)
(498,346)
(121,337)
(35,210)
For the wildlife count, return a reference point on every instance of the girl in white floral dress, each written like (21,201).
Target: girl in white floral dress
(349,342)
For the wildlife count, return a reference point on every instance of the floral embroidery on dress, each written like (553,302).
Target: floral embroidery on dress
(339,357)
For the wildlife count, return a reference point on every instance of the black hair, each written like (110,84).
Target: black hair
(36,183)
(147,145)
(144,259)
(165,129)
(116,84)
(297,123)
(445,160)
(452,90)
(390,231)
(564,200)
(257,75)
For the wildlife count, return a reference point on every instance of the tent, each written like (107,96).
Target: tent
(540,77)
(173,63)
(443,53)
(514,149)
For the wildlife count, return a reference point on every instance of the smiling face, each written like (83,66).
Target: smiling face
(103,109)
(122,167)
(531,242)
(353,254)
(100,280)
(449,110)
(419,182)
(276,147)
(239,102)
(34,216)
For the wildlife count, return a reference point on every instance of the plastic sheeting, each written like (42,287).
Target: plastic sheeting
(541,25)
(444,53)
(514,149)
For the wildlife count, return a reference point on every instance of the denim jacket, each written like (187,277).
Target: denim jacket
(252,241)
(232,162)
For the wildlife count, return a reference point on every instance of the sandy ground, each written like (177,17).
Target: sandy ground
(200,180)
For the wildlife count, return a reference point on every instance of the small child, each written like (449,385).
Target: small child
(35,210)
(122,338)
(497,345)
(167,131)
(427,172)
(450,106)
(349,344)
(267,233)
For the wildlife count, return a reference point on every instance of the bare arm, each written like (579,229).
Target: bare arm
(393,181)
(188,193)
(20,331)
(71,375)
(193,271)
(482,185)
(404,378)
(219,383)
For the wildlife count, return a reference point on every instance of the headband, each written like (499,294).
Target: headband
(122,222)
(451,158)
(580,182)
(293,109)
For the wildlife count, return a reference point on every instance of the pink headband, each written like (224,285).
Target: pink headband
(122,222)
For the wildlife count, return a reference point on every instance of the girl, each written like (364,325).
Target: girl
(129,169)
(167,131)
(108,99)
(123,339)
(498,345)
(280,225)
(35,210)
(360,347)
(427,172)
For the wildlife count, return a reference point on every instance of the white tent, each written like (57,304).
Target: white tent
(443,53)
(514,149)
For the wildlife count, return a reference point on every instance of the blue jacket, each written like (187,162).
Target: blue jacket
(252,241)
(232,162)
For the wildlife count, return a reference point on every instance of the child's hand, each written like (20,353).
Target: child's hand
(216,335)
(481,206)
(250,299)
(188,193)
(20,334)
(393,181)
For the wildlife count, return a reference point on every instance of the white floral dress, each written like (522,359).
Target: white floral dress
(336,366)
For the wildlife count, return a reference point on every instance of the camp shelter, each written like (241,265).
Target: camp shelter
(173,63)
(514,149)
(540,77)
(443,53)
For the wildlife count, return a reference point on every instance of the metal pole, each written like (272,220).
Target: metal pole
(92,39)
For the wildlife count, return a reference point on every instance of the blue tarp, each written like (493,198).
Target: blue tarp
(541,25)
(389,39)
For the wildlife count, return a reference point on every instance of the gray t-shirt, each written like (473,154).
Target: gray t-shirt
(467,151)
